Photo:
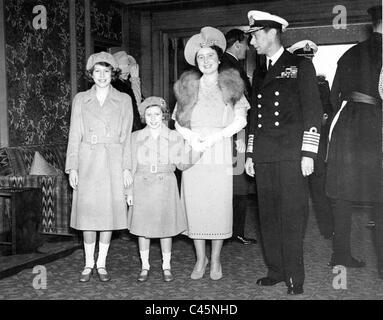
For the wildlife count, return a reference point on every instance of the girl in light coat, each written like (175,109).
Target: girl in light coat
(98,161)
(157,211)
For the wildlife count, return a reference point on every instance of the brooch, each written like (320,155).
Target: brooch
(289,72)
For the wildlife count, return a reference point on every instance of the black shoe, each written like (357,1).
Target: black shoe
(104,276)
(294,290)
(244,240)
(86,277)
(266,281)
(352,263)
(143,276)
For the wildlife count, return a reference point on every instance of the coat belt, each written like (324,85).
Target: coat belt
(155,168)
(360,97)
(94,139)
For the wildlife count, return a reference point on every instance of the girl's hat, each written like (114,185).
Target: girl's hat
(101,57)
(151,102)
(206,38)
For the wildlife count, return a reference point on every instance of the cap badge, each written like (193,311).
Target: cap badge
(307,47)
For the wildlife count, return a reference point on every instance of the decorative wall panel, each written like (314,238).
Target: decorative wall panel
(38,73)
(80,47)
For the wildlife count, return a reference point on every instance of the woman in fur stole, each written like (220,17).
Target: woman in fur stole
(210,109)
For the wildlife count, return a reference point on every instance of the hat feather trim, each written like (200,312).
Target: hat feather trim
(187,86)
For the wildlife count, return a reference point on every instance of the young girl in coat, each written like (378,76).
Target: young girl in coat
(98,161)
(157,210)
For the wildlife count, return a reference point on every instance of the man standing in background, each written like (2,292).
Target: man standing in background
(317,180)
(236,41)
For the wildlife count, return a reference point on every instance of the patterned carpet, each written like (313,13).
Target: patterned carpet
(242,265)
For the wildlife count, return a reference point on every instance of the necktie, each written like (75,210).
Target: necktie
(269,65)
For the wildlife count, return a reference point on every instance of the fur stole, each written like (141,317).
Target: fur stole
(187,86)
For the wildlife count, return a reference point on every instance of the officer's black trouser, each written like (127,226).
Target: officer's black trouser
(321,203)
(239,214)
(283,204)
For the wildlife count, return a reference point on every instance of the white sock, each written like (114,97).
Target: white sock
(89,254)
(166,256)
(102,253)
(145,259)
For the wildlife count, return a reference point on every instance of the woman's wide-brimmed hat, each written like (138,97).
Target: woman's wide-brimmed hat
(101,57)
(208,37)
(151,102)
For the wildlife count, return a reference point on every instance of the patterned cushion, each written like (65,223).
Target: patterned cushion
(21,158)
(40,167)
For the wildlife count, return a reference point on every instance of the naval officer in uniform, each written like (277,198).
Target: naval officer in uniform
(283,142)
(317,180)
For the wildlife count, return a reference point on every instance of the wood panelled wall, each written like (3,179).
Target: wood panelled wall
(308,19)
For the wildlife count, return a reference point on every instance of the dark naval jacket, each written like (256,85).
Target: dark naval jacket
(228,61)
(286,111)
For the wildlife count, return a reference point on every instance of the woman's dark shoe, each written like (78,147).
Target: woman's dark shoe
(352,263)
(267,281)
(103,276)
(85,277)
(143,276)
(167,274)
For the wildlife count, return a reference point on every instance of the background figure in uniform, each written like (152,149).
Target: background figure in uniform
(156,210)
(317,180)
(282,145)
(129,83)
(98,161)
(355,152)
(211,107)
(236,42)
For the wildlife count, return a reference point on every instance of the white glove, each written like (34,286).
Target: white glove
(196,142)
(249,167)
(135,71)
(211,140)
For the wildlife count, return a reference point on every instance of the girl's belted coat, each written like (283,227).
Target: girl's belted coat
(99,148)
(157,211)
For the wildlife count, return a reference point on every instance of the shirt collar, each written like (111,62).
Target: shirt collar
(113,94)
(145,133)
(274,58)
